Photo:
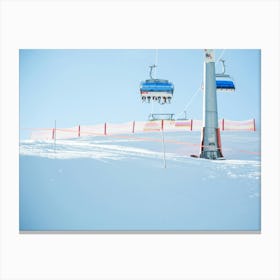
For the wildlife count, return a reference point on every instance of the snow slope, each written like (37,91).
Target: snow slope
(119,183)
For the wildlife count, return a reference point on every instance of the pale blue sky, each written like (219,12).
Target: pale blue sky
(93,86)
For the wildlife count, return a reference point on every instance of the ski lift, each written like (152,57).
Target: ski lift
(156,90)
(224,82)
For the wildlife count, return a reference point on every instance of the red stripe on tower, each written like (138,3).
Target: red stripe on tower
(219,142)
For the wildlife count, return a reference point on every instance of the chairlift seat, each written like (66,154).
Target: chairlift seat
(157,89)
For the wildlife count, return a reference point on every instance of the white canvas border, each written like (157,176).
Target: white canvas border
(122,24)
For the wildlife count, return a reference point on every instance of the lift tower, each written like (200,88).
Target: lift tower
(210,135)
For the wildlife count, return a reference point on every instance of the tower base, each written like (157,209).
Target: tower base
(211,150)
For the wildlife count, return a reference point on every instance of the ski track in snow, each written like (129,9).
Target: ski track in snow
(108,150)
(79,149)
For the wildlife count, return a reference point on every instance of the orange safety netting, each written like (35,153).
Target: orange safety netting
(135,127)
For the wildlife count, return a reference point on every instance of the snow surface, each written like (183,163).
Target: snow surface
(119,183)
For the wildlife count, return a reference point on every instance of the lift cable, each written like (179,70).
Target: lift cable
(221,55)
(156,62)
(151,70)
(190,101)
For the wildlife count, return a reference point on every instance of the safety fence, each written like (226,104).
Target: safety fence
(136,127)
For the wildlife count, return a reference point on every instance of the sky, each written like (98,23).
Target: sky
(87,86)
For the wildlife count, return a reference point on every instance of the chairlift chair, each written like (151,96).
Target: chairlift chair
(224,82)
(156,90)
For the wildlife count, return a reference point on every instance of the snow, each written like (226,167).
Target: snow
(118,183)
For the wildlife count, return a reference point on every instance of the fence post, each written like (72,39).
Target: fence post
(105,128)
(254,123)
(133,127)
(162,125)
(53,134)
(79,131)
(191,124)
(223,124)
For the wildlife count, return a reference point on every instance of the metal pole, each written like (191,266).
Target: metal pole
(54,139)
(163,145)
(105,128)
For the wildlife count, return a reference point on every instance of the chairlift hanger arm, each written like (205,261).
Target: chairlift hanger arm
(224,67)
(151,70)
